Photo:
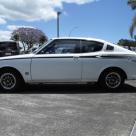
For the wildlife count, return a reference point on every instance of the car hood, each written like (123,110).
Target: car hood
(24,56)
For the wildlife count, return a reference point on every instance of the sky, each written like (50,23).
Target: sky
(104,19)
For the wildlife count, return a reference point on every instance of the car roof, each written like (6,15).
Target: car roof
(81,38)
(95,39)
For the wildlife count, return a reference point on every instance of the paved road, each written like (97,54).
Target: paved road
(68,110)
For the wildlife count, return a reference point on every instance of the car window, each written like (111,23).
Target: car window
(8,46)
(91,46)
(109,48)
(62,47)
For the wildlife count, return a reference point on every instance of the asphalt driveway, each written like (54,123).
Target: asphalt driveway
(68,110)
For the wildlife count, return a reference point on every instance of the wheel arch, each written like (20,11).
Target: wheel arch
(14,70)
(113,68)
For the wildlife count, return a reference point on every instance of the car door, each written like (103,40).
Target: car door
(57,62)
(91,62)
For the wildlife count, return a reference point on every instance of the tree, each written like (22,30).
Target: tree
(132,3)
(42,40)
(127,43)
(28,37)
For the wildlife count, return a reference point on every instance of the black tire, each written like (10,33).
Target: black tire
(10,80)
(111,79)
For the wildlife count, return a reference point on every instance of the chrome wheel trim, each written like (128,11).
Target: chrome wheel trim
(7,81)
(113,80)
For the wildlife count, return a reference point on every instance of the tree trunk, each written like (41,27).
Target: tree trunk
(24,46)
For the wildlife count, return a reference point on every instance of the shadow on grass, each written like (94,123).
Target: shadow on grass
(71,89)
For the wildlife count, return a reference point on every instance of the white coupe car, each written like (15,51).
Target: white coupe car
(70,60)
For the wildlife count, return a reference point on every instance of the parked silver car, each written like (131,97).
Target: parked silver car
(70,60)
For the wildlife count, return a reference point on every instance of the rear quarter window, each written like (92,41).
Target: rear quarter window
(109,48)
(91,46)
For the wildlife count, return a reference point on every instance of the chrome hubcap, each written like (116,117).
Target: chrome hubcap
(113,80)
(8,81)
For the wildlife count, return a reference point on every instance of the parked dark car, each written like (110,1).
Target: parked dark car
(8,48)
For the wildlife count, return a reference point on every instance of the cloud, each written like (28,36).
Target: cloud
(30,10)
(2,21)
(5,35)
(14,27)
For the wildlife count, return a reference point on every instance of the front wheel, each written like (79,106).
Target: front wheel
(9,80)
(111,79)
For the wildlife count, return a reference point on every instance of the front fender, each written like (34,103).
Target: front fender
(21,65)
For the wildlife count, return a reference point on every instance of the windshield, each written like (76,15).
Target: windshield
(42,46)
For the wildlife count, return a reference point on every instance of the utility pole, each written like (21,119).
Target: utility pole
(58,14)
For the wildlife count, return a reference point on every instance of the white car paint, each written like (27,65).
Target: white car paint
(79,67)
(55,69)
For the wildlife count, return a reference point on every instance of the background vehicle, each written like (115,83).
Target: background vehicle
(70,60)
(8,48)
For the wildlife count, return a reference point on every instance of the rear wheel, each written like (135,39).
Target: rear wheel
(111,79)
(10,80)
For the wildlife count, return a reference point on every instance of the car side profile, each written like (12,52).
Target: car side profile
(70,60)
